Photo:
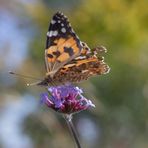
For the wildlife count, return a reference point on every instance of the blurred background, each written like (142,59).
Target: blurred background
(120,119)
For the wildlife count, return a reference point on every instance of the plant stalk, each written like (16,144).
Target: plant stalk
(72,129)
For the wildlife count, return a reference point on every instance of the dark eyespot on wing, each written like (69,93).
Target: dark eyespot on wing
(50,56)
(57,53)
(69,50)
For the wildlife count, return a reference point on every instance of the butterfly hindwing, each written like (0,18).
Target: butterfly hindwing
(88,63)
(81,69)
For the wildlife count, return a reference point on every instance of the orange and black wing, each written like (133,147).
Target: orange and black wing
(88,63)
(62,44)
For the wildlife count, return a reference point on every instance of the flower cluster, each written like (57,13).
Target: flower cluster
(66,99)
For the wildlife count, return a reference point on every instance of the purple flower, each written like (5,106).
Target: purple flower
(66,99)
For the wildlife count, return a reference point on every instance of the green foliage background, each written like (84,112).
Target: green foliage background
(121,97)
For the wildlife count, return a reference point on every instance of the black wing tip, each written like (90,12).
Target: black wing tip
(59,14)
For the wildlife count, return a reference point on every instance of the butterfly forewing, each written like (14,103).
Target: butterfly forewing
(62,44)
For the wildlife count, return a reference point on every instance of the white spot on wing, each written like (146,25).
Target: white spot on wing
(52,33)
(63,30)
(53,22)
(77,37)
(72,31)
(55,33)
(48,33)
(62,24)
(80,57)
(81,43)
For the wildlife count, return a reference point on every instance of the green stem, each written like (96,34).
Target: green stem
(71,127)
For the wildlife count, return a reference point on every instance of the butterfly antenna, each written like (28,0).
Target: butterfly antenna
(32,84)
(23,76)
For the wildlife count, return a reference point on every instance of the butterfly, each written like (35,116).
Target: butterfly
(67,59)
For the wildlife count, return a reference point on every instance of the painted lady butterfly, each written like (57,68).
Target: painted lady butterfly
(67,59)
